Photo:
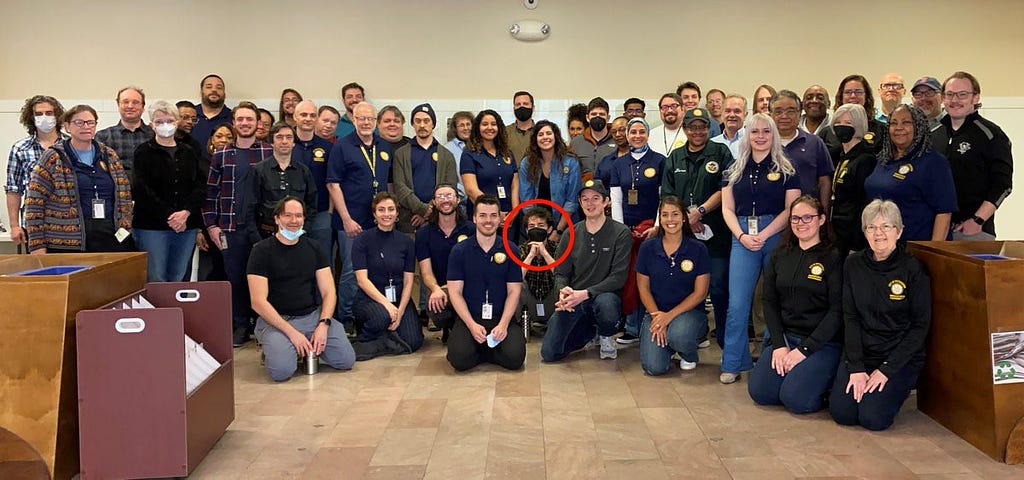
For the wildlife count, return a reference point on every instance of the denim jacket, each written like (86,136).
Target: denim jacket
(565,184)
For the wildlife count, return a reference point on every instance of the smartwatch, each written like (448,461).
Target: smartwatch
(326,321)
(702,210)
(978,220)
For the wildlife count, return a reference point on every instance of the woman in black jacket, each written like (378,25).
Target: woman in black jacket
(169,188)
(886,313)
(802,307)
(854,161)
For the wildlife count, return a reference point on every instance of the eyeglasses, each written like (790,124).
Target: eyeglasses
(189,118)
(715,102)
(164,122)
(884,228)
(778,112)
(854,91)
(929,93)
(697,128)
(365,119)
(444,196)
(83,123)
(635,110)
(794,219)
(963,95)
(674,106)
(892,86)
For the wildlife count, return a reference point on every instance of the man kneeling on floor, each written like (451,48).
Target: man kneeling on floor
(285,272)
(484,286)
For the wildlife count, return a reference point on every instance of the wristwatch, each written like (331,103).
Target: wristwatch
(978,220)
(326,321)
(701,210)
(560,230)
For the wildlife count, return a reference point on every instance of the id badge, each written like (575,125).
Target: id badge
(486,311)
(389,291)
(501,192)
(223,241)
(121,234)
(632,197)
(540,309)
(752,226)
(99,209)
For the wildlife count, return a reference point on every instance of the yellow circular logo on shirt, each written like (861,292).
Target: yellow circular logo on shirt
(508,160)
(897,290)
(773,176)
(869,137)
(384,156)
(318,154)
(650,172)
(500,258)
(565,170)
(460,238)
(678,143)
(905,169)
(817,269)
(686,265)
(711,167)
(434,156)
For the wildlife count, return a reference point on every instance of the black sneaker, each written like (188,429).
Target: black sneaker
(627,339)
(240,337)
(350,327)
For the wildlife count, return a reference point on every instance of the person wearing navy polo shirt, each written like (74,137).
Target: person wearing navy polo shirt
(314,152)
(487,165)
(807,152)
(212,111)
(420,165)
(358,170)
(756,193)
(484,284)
(384,261)
(446,226)
(673,272)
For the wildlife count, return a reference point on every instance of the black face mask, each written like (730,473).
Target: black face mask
(843,132)
(598,123)
(523,113)
(537,234)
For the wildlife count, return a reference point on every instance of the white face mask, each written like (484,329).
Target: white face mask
(166,130)
(45,123)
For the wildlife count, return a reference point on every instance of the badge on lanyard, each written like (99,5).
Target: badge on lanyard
(540,309)
(752,227)
(501,192)
(486,310)
(391,292)
(633,197)
(99,209)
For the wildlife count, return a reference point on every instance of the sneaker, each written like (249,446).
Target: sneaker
(608,349)
(240,337)
(728,378)
(683,364)
(704,343)
(627,339)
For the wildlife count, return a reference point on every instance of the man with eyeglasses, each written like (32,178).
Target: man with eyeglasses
(634,107)
(714,101)
(979,155)
(807,152)
(359,169)
(446,225)
(131,131)
(596,141)
(927,94)
(816,117)
(669,135)
(890,92)
(734,113)
(690,93)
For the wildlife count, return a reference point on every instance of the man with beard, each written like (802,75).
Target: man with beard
(484,284)
(314,152)
(669,135)
(212,111)
(352,94)
(183,134)
(816,117)
(807,152)
(518,133)
(326,122)
(604,167)
(927,94)
(420,165)
(596,141)
(230,210)
(131,131)
(734,111)
(446,225)
(891,92)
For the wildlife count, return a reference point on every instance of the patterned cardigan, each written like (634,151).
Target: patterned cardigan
(53,216)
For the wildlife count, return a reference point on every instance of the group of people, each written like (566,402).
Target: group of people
(333,225)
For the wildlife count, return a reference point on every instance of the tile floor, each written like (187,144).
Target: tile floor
(413,417)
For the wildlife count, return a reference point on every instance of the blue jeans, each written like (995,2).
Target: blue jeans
(347,278)
(633,319)
(682,335)
(320,230)
(281,354)
(745,267)
(168,252)
(876,411)
(570,331)
(236,259)
(801,390)
(719,292)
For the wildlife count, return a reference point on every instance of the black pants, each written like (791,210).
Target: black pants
(464,353)
(877,410)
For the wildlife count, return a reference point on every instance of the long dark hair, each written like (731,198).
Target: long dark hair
(460,213)
(533,155)
(825,235)
(673,200)
(280,106)
(476,141)
(869,97)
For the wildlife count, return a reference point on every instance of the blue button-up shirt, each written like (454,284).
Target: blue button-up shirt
(350,168)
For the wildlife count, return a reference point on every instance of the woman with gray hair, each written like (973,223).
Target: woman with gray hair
(887,313)
(169,188)
(854,161)
(914,176)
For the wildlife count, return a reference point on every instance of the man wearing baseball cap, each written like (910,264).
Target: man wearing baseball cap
(589,281)
(927,93)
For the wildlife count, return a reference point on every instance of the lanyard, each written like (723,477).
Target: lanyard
(371,161)
(664,140)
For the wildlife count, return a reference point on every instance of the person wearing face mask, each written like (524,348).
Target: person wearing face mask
(279,177)
(384,261)
(549,172)
(39,116)
(169,188)
(854,162)
(596,142)
(292,291)
(604,167)
(539,295)
(517,134)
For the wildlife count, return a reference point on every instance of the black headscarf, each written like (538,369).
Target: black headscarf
(922,138)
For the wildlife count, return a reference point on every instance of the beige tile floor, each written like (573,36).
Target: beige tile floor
(413,417)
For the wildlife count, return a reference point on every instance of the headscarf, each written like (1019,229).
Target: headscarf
(922,138)
(638,152)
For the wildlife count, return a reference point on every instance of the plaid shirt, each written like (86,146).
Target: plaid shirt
(539,283)
(25,154)
(220,208)
(124,142)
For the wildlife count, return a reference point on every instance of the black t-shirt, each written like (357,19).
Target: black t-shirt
(290,271)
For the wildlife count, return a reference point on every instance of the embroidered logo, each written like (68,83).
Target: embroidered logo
(318,154)
(650,172)
(964,147)
(434,156)
(384,156)
(816,270)
(870,138)
(565,170)
(897,290)
(686,265)
(711,167)
(679,170)
(500,258)
(773,176)
(903,171)
(590,183)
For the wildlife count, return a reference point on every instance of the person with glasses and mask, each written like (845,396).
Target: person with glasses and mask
(887,312)
(803,295)
(79,197)
(854,89)
(538,249)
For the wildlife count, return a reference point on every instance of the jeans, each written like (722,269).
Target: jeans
(320,231)
(802,388)
(876,411)
(168,252)
(745,267)
(570,331)
(634,318)
(719,292)
(281,354)
(346,278)
(682,334)
(236,259)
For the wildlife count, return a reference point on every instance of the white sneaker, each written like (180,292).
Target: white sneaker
(608,349)
(683,364)
(705,344)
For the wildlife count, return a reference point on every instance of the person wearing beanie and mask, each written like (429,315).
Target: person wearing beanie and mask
(419,166)
(41,117)
(518,133)
(169,188)
(285,273)
(596,142)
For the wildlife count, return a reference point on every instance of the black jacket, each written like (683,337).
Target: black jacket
(849,197)
(803,293)
(163,185)
(887,311)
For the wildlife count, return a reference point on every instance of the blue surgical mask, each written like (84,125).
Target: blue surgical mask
(290,235)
